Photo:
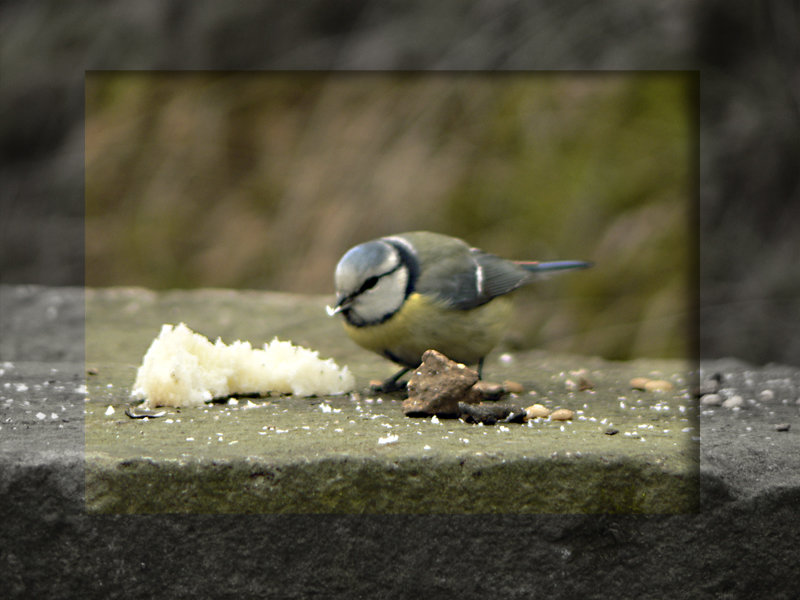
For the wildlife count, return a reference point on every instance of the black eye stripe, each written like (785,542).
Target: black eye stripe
(371,282)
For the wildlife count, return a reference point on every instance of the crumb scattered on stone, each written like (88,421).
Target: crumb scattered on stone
(184,368)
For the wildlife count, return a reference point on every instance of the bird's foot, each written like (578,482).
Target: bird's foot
(388,386)
(392,384)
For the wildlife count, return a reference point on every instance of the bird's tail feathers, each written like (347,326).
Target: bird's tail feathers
(556,265)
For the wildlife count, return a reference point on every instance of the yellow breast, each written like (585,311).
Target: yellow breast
(422,323)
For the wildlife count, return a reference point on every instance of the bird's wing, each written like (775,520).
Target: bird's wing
(469,279)
(497,276)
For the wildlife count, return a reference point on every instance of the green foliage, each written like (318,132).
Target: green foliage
(264,180)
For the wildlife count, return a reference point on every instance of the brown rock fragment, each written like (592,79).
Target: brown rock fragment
(486,413)
(437,386)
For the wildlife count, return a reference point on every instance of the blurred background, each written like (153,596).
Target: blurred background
(263,180)
(331,155)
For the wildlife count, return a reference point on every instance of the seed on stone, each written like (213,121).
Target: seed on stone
(711,400)
(766,395)
(658,385)
(536,411)
(562,414)
(733,402)
(711,385)
(489,390)
(513,387)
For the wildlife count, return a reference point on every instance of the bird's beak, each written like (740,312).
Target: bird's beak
(341,304)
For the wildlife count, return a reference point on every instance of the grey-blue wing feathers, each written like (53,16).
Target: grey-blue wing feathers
(464,277)
(490,276)
(472,278)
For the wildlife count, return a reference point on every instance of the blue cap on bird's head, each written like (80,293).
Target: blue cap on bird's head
(360,269)
(369,258)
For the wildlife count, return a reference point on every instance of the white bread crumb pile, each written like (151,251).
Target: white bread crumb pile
(183,368)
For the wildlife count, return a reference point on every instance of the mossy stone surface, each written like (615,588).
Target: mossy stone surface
(358,453)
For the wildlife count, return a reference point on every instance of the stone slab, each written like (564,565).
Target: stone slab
(740,543)
(359,453)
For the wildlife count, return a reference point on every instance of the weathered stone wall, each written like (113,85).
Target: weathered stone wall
(741,542)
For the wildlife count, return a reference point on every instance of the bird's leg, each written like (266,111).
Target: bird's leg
(391,384)
(480,367)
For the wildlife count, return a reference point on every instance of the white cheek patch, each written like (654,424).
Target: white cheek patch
(384,299)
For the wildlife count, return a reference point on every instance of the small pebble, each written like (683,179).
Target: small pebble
(711,385)
(611,431)
(733,402)
(584,384)
(571,385)
(513,387)
(562,414)
(782,427)
(658,385)
(536,411)
(711,400)
(766,395)
(489,390)
(638,383)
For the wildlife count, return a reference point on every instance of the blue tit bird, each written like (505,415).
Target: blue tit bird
(403,294)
